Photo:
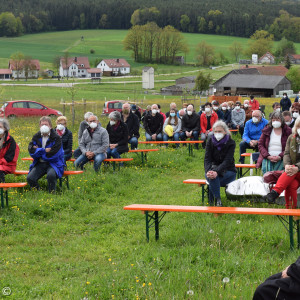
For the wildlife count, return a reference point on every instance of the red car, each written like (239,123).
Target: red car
(110,106)
(24,108)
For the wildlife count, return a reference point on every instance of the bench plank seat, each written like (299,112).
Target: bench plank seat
(7,185)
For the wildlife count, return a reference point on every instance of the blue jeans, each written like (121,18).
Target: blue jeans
(195,135)
(149,138)
(82,160)
(112,153)
(215,184)
(133,143)
(77,153)
(175,137)
(243,148)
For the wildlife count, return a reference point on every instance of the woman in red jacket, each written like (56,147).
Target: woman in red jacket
(271,144)
(207,120)
(9,151)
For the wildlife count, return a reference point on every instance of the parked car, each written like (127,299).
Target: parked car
(113,105)
(24,108)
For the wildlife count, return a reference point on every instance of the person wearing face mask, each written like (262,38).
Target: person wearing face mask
(132,122)
(252,133)
(215,106)
(226,114)
(174,107)
(295,109)
(219,162)
(175,123)
(289,121)
(93,144)
(48,156)
(248,111)
(297,98)
(276,107)
(254,104)
(153,124)
(9,150)
(207,120)
(271,144)
(190,125)
(238,117)
(82,127)
(289,181)
(135,111)
(66,136)
(285,103)
(118,135)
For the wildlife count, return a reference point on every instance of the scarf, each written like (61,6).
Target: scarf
(115,127)
(60,132)
(219,144)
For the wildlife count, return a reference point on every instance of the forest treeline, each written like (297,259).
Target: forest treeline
(236,18)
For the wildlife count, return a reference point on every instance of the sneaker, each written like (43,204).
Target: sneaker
(219,202)
(271,197)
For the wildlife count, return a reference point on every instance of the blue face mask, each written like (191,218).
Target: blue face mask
(172,114)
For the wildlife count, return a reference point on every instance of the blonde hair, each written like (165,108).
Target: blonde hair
(297,122)
(61,118)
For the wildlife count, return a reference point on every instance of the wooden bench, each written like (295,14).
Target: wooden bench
(143,153)
(4,186)
(201,183)
(147,209)
(190,148)
(64,177)
(240,168)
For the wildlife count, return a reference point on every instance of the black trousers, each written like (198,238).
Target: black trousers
(270,290)
(39,170)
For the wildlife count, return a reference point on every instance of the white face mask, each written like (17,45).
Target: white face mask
(219,135)
(237,107)
(295,115)
(112,123)
(252,100)
(288,123)
(276,124)
(60,127)
(189,112)
(215,107)
(158,110)
(284,97)
(154,111)
(45,129)
(255,120)
(246,105)
(1,131)
(207,109)
(224,108)
(277,109)
(228,108)
(298,131)
(93,125)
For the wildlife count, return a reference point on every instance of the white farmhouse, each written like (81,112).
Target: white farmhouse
(24,68)
(267,58)
(114,66)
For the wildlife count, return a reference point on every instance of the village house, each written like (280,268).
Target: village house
(113,67)
(267,58)
(5,74)
(24,69)
(294,58)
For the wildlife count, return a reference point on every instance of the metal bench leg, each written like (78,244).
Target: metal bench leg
(298,234)
(2,200)
(147,225)
(60,182)
(145,156)
(156,225)
(291,230)
(6,195)
(142,156)
(67,182)
(203,194)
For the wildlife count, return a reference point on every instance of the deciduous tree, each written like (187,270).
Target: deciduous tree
(204,54)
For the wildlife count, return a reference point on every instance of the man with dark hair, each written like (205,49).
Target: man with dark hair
(285,102)
(276,107)
(254,103)
(215,105)
(289,121)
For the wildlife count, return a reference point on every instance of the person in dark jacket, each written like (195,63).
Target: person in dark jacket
(9,151)
(285,102)
(190,125)
(283,285)
(289,121)
(82,127)
(173,106)
(48,156)
(219,161)
(136,111)
(216,108)
(271,144)
(153,124)
(118,135)
(207,120)
(66,136)
(226,114)
(132,122)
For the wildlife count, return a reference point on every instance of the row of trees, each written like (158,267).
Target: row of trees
(232,17)
(150,43)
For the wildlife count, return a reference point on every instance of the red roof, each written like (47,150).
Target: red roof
(5,71)
(296,56)
(79,61)
(269,70)
(117,63)
(94,70)
(33,62)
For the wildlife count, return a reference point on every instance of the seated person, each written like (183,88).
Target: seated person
(175,123)
(9,151)
(285,103)
(160,112)
(252,133)
(136,111)
(254,103)
(219,161)
(276,107)
(238,117)
(82,127)
(289,181)
(190,125)
(118,135)
(289,121)
(133,125)
(174,107)
(230,105)
(147,111)
(153,124)
(66,136)
(207,120)
(226,113)
(93,144)
(272,143)
(297,99)
(295,110)
(283,285)
(248,111)
(216,108)
(181,113)
(48,156)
